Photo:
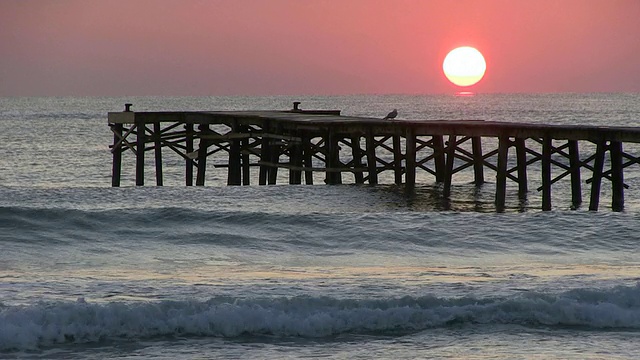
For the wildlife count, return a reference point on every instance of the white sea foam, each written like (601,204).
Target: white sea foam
(29,327)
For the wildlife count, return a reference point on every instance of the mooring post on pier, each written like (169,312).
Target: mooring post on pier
(188,171)
(617,179)
(521,163)
(410,159)
(478,160)
(157,144)
(574,168)
(372,160)
(202,154)
(117,154)
(596,180)
(501,175)
(546,173)
(140,148)
(451,151)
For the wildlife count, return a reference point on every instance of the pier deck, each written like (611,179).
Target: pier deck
(306,141)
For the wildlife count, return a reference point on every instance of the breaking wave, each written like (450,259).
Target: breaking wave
(46,324)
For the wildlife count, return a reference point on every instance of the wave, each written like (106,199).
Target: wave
(48,324)
(399,232)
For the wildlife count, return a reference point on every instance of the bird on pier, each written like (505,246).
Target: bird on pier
(392,115)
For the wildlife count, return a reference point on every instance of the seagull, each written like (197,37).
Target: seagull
(391,115)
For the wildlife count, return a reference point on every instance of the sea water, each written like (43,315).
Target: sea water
(347,271)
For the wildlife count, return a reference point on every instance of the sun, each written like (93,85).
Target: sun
(464,66)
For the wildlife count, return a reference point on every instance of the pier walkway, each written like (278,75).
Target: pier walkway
(306,141)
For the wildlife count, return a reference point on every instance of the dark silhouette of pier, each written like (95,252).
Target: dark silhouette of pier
(306,141)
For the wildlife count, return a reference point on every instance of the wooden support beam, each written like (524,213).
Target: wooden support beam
(478,161)
(410,158)
(188,173)
(202,156)
(265,155)
(439,157)
(521,155)
(307,159)
(397,159)
(546,173)
(501,172)
(246,165)
(333,158)
(451,150)
(140,140)
(372,160)
(295,158)
(234,172)
(117,155)
(574,169)
(597,176)
(617,177)
(357,154)
(316,169)
(274,155)
(158,152)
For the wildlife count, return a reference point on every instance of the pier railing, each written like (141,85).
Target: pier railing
(307,142)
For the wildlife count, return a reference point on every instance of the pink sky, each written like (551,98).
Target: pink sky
(269,47)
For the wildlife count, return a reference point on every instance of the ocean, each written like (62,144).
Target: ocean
(346,271)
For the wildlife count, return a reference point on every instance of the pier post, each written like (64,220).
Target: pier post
(501,176)
(546,173)
(448,176)
(246,166)
(307,159)
(117,155)
(521,163)
(274,159)
(188,173)
(157,140)
(574,167)
(357,152)
(275,147)
(596,180)
(410,159)
(202,155)
(295,160)
(140,144)
(333,177)
(397,159)
(265,156)
(617,178)
(234,171)
(478,166)
(439,157)
(372,160)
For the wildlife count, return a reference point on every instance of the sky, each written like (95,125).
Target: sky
(307,47)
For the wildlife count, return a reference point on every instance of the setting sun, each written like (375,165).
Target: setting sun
(464,66)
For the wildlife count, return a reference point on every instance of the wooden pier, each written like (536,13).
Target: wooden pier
(304,142)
